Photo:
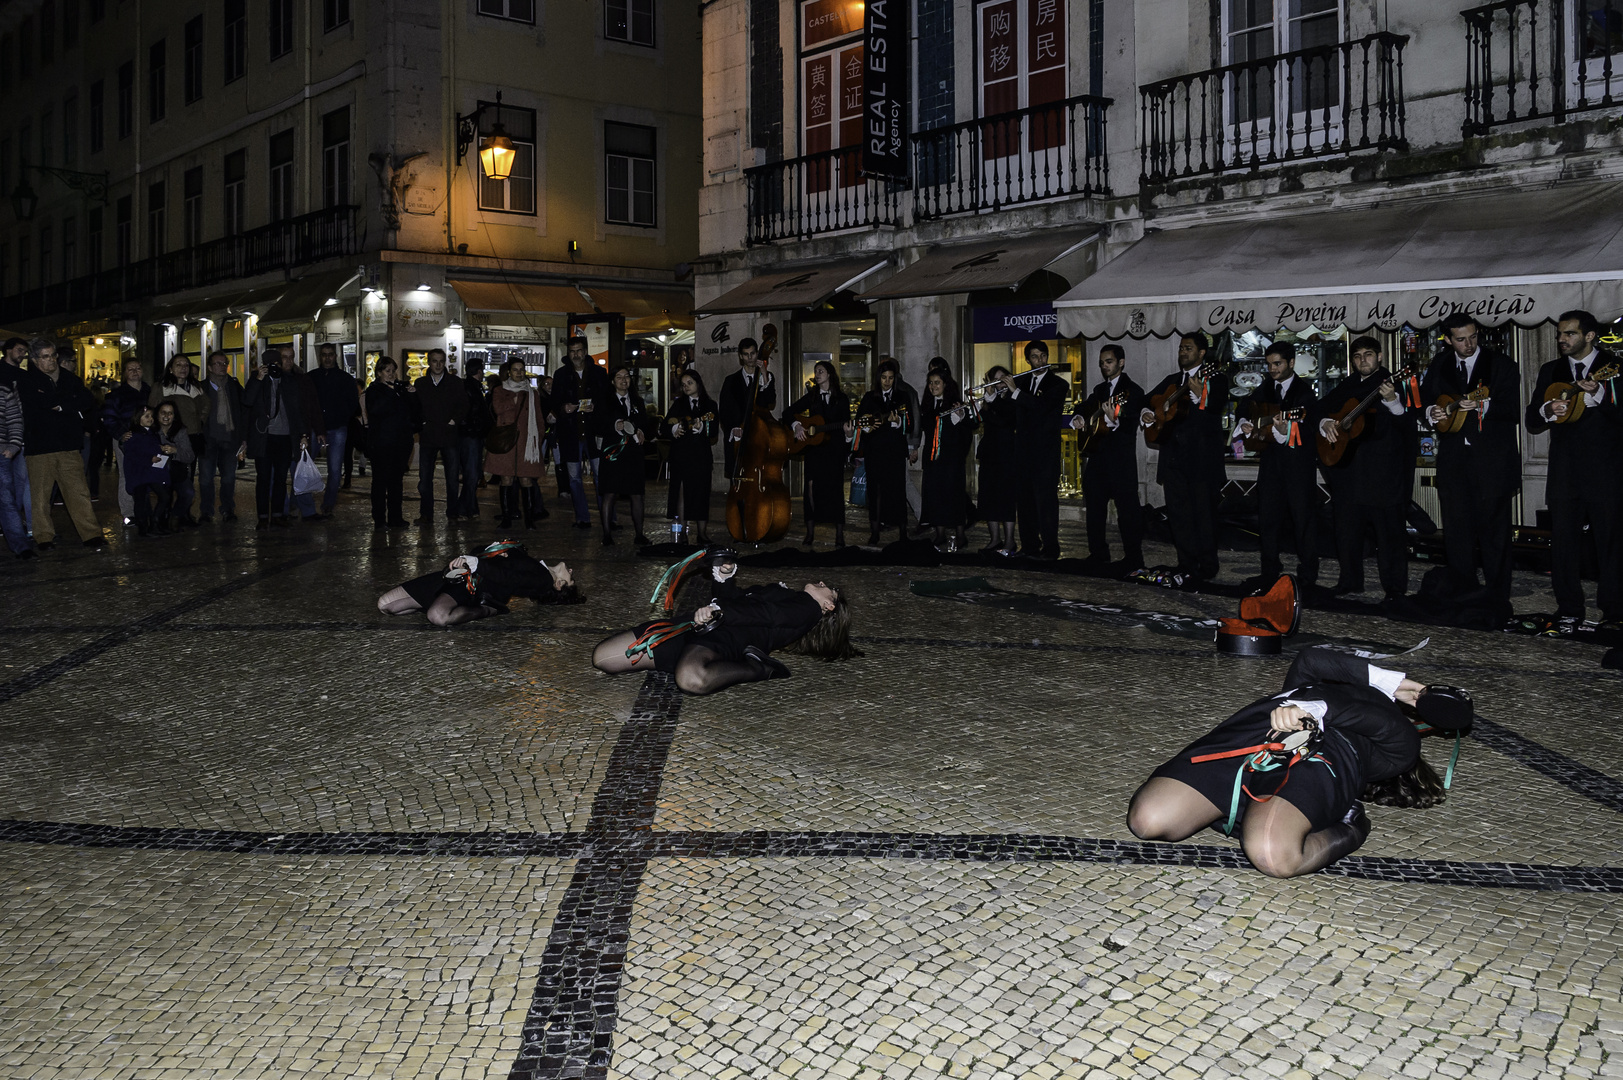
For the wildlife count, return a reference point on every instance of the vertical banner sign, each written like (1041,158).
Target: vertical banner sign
(851,115)
(885,87)
(1000,78)
(1045,71)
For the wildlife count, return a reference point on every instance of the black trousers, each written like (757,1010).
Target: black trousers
(1283,496)
(1354,521)
(1192,516)
(1037,509)
(389,482)
(1567,519)
(270,475)
(1102,484)
(427,456)
(887,488)
(1476,532)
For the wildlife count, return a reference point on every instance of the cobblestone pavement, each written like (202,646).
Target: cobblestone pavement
(249,827)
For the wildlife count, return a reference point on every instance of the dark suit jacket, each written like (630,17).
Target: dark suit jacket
(608,412)
(1193,445)
(1116,450)
(1583,454)
(1280,462)
(1036,424)
(568,388)
(1377,730)
(259,398)
(1485,448)
(733,404)
(443,410)
(1378,468)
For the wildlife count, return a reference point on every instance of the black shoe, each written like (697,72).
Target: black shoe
(45,545)
(26,553)
(1358,821)
(1342,588)
(873,539)
(615,525)
(228,519)
(264,524)
(284,521)
(96,543)
(608,541)
(188,521)
(399,523)
(774,668)
(641,541)
(423,521)
(508,505)
(378,526)
(206,519)
(583,524)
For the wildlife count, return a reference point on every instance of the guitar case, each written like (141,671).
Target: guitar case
(1265,621)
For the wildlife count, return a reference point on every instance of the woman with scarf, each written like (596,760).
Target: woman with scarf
(479,585)
(823,499)
(691,425)
(388,442)
(948,428)
(520,427)
(191,403)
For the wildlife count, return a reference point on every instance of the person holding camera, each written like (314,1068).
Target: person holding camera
(1287,771)
(276,424)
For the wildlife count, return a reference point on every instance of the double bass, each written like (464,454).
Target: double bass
(757,497)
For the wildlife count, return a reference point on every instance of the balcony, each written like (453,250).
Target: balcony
(280,246)
(818,193)
(1525,62)
(1043,152)
(1328,101)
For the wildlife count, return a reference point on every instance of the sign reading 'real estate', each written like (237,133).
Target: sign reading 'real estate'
(885,90)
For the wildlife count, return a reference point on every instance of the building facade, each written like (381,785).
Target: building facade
(1306,169)
(185,177)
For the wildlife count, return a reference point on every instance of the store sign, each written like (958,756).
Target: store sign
(1015,322)
(885,90)
(828,20)
(374,318)
(424,316)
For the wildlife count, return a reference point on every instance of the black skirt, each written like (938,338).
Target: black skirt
(1323,793)
(624,474)
(690,487)
(427,588)
(668,652)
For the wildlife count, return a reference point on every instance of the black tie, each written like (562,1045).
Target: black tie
(1465,372)
(1578,369)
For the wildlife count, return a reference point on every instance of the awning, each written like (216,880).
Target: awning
(793,287)
(988,264)
(518,297)
(1521,257)
(303,299)
(666,307)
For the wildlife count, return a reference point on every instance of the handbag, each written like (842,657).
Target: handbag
(307,479)
(502,438)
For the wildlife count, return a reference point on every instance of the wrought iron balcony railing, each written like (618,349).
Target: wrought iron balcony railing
(818,193)
(1526,61)
(1321,102)
(1042,152)
(279,246)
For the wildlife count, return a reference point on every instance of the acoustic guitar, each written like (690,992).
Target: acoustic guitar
(816,429)
(1574,397)
(1262,425)
(1350,421)
(1093,432)
(1453,416)
(1173,402)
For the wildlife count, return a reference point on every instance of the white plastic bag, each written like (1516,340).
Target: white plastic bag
(307,479)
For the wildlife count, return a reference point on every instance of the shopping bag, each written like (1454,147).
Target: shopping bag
(307,479)
(859,484)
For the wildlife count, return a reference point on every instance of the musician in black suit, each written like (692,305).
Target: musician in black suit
(1190,471)
(623,427)
(738,393)
(1111,472)
(884,450)
(1287,475)
(575,390)
(1584,456)
(692,427)
(1039,400)
(1370,485)
(823,497)
(1479,466)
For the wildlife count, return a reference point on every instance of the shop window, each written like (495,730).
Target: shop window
(93,241)
(334,13)
(517,10)
(1254,30)
(281,175)
(1596,71)
(631,21)
(191,207)
(193,79)
(1022,65)
(831,65)
(335,157)
(157,219)
(234,57)
(281,27)
(236,192)
(126,99)
(98,116)
(70,131)
(628,170)
(157,70)
(516,194)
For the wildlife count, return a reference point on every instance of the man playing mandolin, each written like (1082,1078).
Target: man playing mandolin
(1371,480)
(1577,408)
(1111,472)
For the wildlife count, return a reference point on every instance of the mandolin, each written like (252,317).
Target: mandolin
(1350,419)
(1094,430)
(1454,416)
(874,421)
(1262,425)
(1574,397)
(1173,402)
(691,425)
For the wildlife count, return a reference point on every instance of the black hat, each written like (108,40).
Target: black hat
(1447,709)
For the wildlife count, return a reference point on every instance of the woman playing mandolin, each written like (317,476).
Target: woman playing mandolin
(691,427)
(824,411)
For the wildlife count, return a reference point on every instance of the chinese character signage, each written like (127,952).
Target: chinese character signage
(885,90)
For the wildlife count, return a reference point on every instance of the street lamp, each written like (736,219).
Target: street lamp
(496,153)
(23,201)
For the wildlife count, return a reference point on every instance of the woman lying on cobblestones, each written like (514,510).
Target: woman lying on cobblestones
(480,585)
(731,639)
(1341,723)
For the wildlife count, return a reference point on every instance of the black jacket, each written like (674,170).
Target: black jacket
(1282,462)
(837,411)
(1115,449)
(1193,445)
(767,616)
(1486,446)
(264,397)
(733,403)
(389,423)
(1377,468)
(691,446)
(441,410)
(57,413)
(1374,727)
(886,440)
(211,430)
(481,418)
(1585,453)
(338,394)
(569,388)
(608,412)
(1037,426)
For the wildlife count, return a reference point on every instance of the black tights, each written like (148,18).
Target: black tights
(606,512)
(701,670)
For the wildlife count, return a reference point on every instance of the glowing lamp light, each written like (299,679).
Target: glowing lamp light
(496,153)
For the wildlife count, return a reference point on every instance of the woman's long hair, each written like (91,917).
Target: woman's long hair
(830,639)
(836,392)
(174,411)
(169,376)
(951,393)
(706,404)
(1417,789)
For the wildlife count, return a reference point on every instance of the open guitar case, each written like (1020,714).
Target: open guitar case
(1265,621)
